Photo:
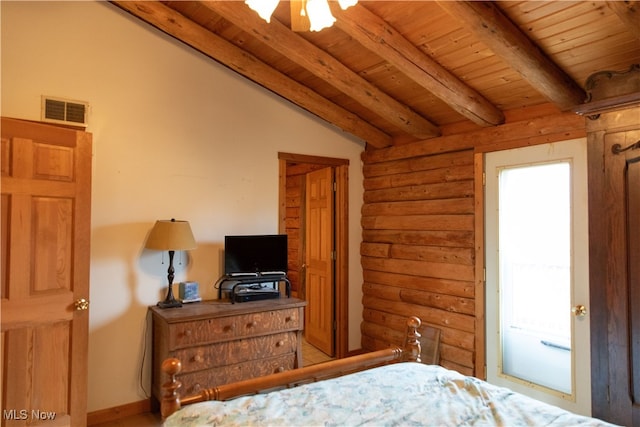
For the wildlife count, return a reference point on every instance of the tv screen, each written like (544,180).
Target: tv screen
(255,254)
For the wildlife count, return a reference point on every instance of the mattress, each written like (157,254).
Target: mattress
(401,394)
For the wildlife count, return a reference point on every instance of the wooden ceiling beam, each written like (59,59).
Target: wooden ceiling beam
(505,39)
(382,39)
(629,13)
(199,38)
(326,67)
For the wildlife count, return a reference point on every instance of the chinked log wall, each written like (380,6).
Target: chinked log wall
(422,233)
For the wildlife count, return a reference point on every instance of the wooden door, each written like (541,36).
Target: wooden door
(46,188)
(614,211)
(319,250)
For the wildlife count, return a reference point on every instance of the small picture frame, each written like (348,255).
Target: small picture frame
(189,292)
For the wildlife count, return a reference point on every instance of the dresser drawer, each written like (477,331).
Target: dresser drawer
(186,334)
(238,351)
(196,381)
(268,322)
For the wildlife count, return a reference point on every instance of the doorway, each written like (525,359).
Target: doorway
(293,172)
(538,334)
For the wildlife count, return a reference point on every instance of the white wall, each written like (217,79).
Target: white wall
(175,135)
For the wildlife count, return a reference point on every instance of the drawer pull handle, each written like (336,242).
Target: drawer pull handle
(280,369)
(288,319)
(228,328)
(187,333)
(196,388)
(280,343)
(198,358)
(252,324)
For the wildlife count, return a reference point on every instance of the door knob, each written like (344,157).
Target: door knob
(82,304)
(579,310)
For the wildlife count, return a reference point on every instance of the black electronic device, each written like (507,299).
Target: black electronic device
(255,254)
(229,286)
(253,293)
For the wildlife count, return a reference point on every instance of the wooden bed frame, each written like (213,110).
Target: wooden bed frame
(171,401)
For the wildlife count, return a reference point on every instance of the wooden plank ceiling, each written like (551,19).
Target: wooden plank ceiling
(391,72)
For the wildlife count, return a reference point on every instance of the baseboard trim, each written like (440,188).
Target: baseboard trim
(118,412)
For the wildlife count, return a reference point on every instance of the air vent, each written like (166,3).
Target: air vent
(64,111)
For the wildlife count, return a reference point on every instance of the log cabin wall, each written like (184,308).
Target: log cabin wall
(422,243)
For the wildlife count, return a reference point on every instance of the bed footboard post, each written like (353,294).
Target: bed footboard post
(171,399)
(412,347)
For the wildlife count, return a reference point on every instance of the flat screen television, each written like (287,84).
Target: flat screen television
(261,254)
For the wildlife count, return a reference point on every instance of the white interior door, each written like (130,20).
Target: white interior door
(537,273)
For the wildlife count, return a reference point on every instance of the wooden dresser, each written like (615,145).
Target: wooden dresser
(219,342)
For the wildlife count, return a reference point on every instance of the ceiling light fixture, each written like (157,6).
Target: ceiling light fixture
(318,11)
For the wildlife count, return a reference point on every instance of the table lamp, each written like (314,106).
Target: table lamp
(170,235)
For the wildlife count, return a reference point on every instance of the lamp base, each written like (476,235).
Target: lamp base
(169,304)
(170,301)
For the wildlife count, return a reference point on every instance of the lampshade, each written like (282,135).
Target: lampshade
(264,8)
(319,14)
(318,11)
(171,235)
(345,4)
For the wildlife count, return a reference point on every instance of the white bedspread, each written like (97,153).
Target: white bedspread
(402,394)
